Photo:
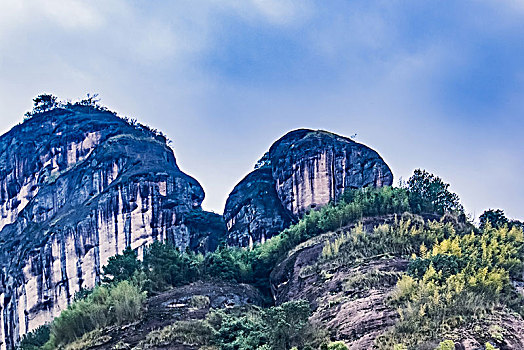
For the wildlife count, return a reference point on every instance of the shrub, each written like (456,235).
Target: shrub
(165,266)
(496,218)
(35,339)
(459,277)
(199,301)
(226,264)
(195,332)
(280,327)
(338,345)
(287,324)
(446,345)
(119,304)
(490,347)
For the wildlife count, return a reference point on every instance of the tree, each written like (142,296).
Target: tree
(287,324)
(35,339)
(495,217)
(43,103)
(91,100)
(121,267)
(166,266)
(429,194)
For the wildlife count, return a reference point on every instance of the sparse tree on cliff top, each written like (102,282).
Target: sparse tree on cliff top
(43,103)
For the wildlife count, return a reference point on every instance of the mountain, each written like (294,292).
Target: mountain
(77,186)
(302,170)
(105,245)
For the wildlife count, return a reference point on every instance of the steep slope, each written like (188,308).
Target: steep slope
(354,310)
(259,214)
(351,290)
(187,303)
(302,170)
(77,186)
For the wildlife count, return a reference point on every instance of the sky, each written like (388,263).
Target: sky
(437,85)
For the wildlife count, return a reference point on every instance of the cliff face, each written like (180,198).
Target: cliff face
(76,187)
(302,170)
(254,211)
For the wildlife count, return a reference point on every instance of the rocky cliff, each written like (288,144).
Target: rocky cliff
(302,170)
(78,185)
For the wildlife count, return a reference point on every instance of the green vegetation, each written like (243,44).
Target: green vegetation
(115,305)
(121,267)
(338,345)
(455,280)
(429,194)
(250,328)
(497,219)
(456,275)
(35,339)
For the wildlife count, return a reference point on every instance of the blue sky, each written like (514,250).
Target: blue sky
(428,84)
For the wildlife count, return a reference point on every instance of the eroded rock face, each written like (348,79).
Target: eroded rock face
(76,187)
(302,170)
(254,211)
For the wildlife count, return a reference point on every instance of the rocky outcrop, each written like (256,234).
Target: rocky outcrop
(77,186)
(254,211)
(347,300)
(175,305)
(304,169)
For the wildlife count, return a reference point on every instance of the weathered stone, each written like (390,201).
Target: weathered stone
(304,169)
(253,211)
(356,315)
(76,187)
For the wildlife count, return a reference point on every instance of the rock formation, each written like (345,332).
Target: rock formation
(302,170)
(78,185)
(258,213)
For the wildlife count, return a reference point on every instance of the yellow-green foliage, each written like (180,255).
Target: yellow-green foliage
(195,332)
(399,347)
(490,347)
(446,345)
(459,276)
(199,301)
(338,345)
(401,238)
(116,305)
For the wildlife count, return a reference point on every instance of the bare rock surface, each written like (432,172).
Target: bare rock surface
(302,170)
(77,186)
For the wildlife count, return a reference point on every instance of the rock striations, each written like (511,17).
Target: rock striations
(77,186)
(302,170)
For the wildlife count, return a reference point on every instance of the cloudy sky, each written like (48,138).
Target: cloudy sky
(428,84)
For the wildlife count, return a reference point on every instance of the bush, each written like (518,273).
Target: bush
(116,305)
(287,324)
(338,345)
(165,266)
(279,328)
(195,332)
(458,278)
(446,345)
(35,339)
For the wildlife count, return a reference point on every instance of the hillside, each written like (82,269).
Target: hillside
(106,246)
